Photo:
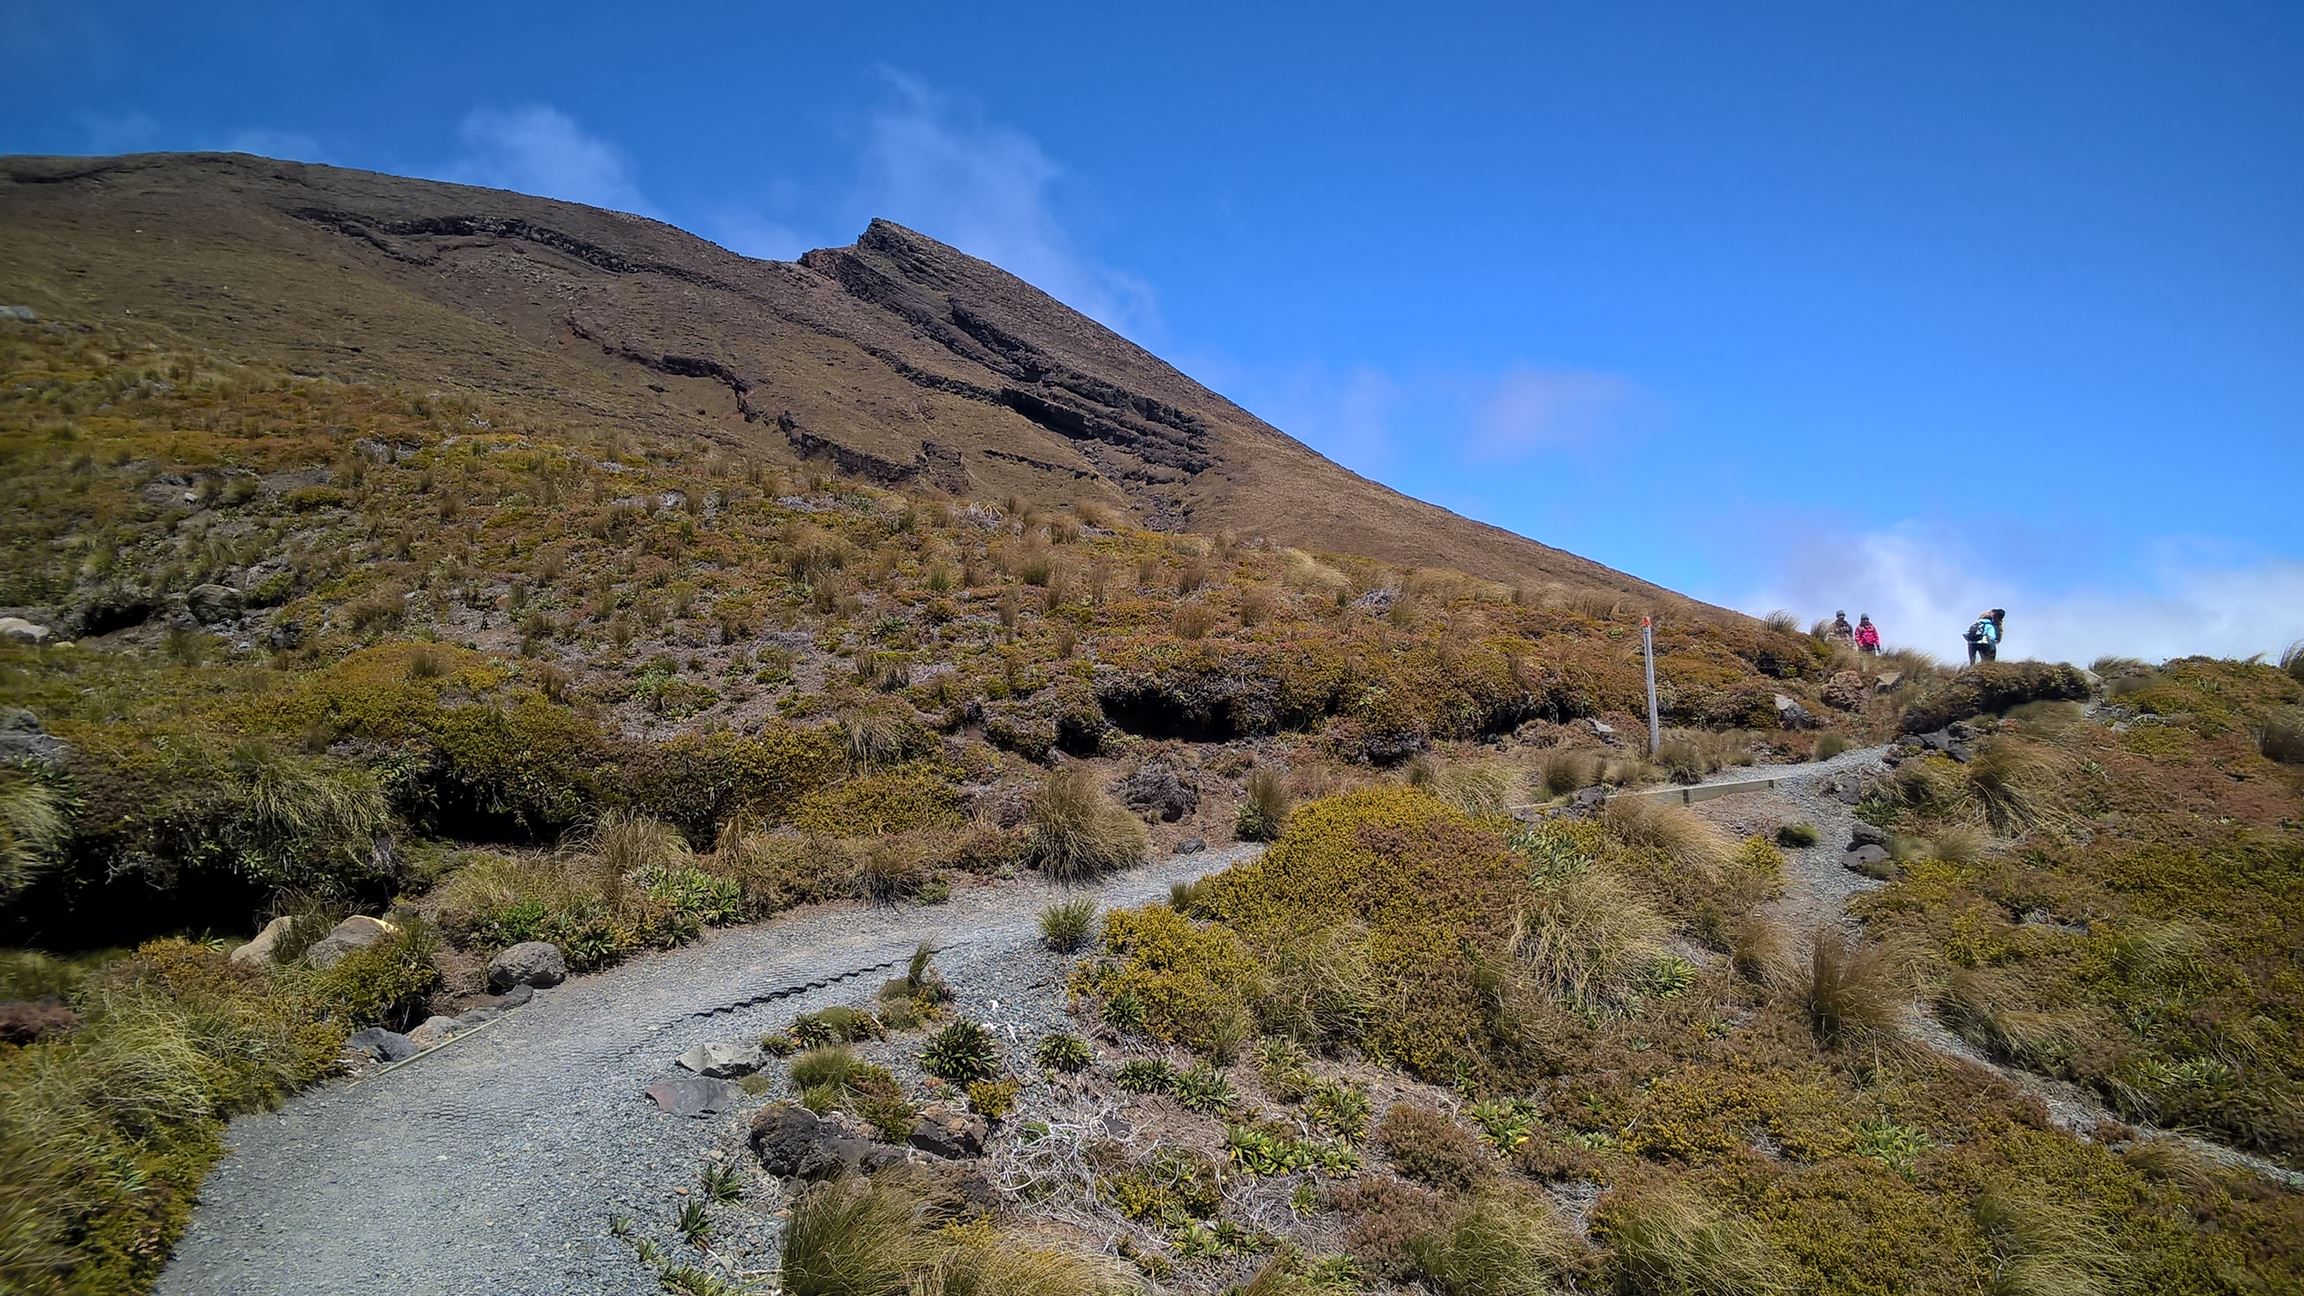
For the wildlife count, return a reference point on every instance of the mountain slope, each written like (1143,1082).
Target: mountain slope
(897,359)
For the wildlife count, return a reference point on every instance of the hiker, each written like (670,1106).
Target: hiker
(1841,632)
(1984,636)
(1867,635)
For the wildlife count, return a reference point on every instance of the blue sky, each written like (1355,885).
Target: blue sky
(1903,308)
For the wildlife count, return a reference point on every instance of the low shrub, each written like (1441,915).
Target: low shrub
(1797,835)
(839,1024)
(993,1099)
(1432,1149)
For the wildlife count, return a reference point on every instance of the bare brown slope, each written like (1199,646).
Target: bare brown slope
(898,358)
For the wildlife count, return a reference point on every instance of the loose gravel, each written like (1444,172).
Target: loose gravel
(497,1164)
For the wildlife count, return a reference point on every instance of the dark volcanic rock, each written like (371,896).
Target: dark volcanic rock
(1157,789)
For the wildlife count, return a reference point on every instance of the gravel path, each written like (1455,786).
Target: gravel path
(494,1165)
(1816,893)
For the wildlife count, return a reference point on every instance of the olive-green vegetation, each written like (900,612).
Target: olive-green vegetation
(2136,926)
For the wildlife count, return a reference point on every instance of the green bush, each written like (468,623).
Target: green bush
(1069,926)
(1992,687)
(963,1052)
(386,983)
(1797,835)
(1063,1052)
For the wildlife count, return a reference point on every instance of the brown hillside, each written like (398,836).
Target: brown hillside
(897,359)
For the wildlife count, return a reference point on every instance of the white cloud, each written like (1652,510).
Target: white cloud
(1531,409)
(1347,416)
(1923,583)
(935,164)
(537,149)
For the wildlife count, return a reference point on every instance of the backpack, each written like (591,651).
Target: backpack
(1980,630)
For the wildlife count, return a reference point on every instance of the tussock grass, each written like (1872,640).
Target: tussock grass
(1563,770)
(2292,661)
(1978,1008)
(1855,992)
(1668,1240)
(1264,810)
(2280,737)
(1069,926)
(33,826)
(2046,1247)
(1078,832)
(854,1237)
(1588,937)
(2016,786)
(1830,745)
(1797,835)
(1497,1243)
(1684,840)
(830,1064)
(1475,791)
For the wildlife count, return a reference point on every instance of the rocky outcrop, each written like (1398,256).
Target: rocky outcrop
(1991,688)
(1156,789)
(693,1096)
(19,630)
(795,1143)
(381,1045)
(213,604)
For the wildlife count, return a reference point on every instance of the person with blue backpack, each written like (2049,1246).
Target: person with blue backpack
(1984,636)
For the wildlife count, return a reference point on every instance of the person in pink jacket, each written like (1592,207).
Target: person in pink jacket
(1867,635)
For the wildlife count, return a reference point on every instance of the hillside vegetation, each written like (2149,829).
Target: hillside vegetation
(318,647)
(340,646)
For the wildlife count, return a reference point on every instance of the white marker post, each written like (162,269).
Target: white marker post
(1648,651)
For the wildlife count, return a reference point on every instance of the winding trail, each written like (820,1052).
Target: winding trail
(1817,893)
(492,1167)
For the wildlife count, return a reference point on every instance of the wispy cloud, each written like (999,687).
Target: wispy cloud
(936,163)
(1923,582)
(1348,416)
(538,149)
(1533,409)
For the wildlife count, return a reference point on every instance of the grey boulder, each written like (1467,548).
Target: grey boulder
(1864,859)
(435,1032)
(724,1061)
(210,604)
(795,1143)
(955,1136)
(19,630)
(357,932)
(1792,715)
(258,952)
(382,1045)
(529,963)
(693,1096)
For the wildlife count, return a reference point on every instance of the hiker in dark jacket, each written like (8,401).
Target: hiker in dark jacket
(1984,636)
